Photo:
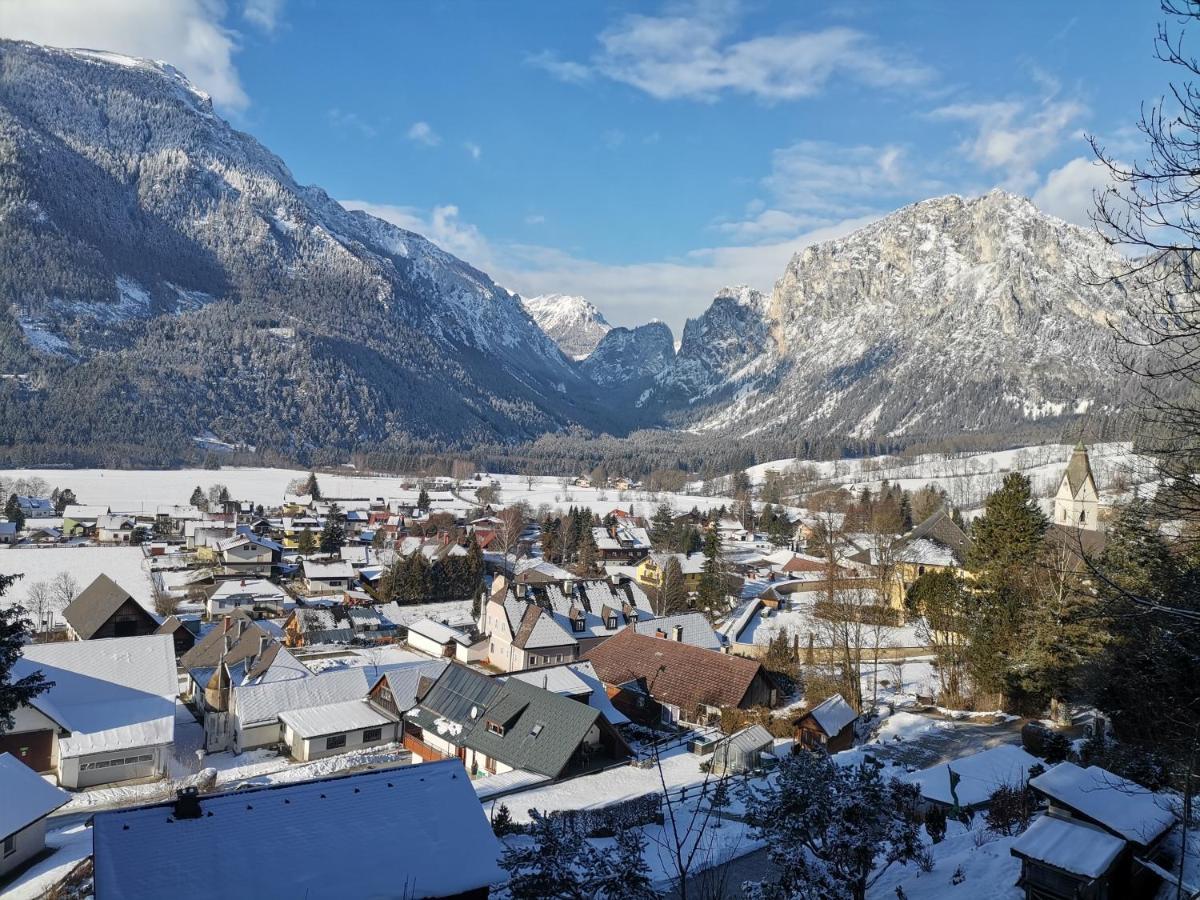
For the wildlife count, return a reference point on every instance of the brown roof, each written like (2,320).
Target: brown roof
(680,674)
(209,650)
(1079,469)
(95,605)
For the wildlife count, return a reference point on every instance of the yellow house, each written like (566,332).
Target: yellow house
(935,545)
(649,572)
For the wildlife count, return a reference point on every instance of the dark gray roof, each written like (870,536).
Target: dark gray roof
(457,691)
(1079,469)
(95,605)
(542,730)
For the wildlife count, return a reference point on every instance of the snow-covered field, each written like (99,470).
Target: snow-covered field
(969,477)
(124,565)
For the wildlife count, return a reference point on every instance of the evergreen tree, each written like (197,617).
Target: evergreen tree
(333,535)
(12,512)
(587,552)
(417,579)
(662,525)
(832,830)
(673,592)
(551,545)
(311,488)
(551,866)
(1007,539)
(710,593)
(15,631)
(423,500)
(306,543)
(63,499)
(198,499)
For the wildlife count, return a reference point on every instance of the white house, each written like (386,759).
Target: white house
(109,716)
(36,507)
(115,529)
(327,577)
(28,799)
(249,594)
(439,640)
(1077,503)
(333,728)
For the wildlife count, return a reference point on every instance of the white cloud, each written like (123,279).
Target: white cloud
(186,33)
(535,219)
(473,150)
(423,133)
(1068,191)
(264,13)
(671,290)
(692,55)
(1013,136)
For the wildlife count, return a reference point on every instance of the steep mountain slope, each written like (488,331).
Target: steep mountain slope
(164,273)
(571,322)
(630,358)
(946,316)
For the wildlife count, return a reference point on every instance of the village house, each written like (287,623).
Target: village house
(498,727)
(688,628)
(579,682)
(650,570)
(28,799)
(105,610)
(80,519)
(652,679)
(450,852)
(438,639)
(256,596)
(621,543)
(249,553)
(327,577)
(528,625)
(318,731)
(1072,850)
(183,633)
(109,715)
(116,529)
(828,726)
(36,507)
(937,544)
(8,532)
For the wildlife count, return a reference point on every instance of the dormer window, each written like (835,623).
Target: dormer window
(612,622)
(577,624)
(495,728)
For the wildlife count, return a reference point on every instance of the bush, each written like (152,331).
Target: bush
(935,823)
(1010,809)
(607,820)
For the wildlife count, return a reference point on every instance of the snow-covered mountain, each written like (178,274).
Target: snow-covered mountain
(951,315)
(164,271)
(631,356)
(572,322)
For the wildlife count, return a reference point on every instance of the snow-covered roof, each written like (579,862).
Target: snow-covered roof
(27,796)
(437,632)
(258,703)
(333,718)
(833,714)
(80,512)
(452,850)
(1073,846)
(336,569)
(695,629)
(980,774)
(1120,805)
(249,589)
(110,694)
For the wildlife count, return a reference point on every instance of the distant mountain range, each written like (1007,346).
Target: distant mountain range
(164,281)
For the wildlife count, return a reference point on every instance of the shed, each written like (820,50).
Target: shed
(827,726)
(28,799)
(320,731)
(104,609)
(1063,857)
(742,751)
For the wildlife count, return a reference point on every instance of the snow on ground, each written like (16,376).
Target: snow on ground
(969,477)
(970,864)
(70,845)
(124,565)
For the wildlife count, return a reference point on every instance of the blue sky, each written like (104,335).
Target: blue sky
(642,154)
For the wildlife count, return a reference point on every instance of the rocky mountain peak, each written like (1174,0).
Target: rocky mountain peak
(571,321)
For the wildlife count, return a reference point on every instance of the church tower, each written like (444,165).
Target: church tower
(1077,503)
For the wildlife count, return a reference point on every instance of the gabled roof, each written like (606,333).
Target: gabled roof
(335,569)
(1079,469)
(27,796)
(1123,807)
(458,691)
(405,682)
(333,718)
(111,694)
(149,852)
(542,730)
(95,605)
(675,673)
(832,715)
(1068,844)
(696,629)
(937,540)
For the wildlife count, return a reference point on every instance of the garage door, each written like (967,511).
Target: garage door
(34,748)
(95,770)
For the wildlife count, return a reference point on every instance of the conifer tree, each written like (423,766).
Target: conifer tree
(12,512)
(661,526)
(423,500)
(311,487)
(15,631)
(673,592)
(710,593)
(198,499)
(306,543)
(333,535)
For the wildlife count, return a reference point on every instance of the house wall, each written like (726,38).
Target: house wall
(476,652)
(38,729)
(478,762)
(128,764)
(27,843)
(130,620)
(1077,511)
(305,749)
(547,656)
(428,645)
(326,586)
(251,736)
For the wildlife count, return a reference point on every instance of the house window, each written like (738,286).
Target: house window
(372,734)
(335,742)
(533,660)
(10,845)
(577,624)
(495,728)
(612,622)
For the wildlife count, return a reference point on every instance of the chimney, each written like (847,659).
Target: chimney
(263,643)
(678,633)
(226,624)
(187,803)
